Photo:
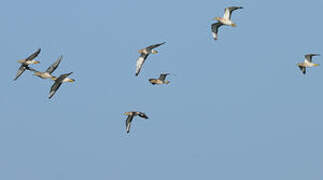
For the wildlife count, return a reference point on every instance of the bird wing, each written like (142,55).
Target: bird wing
(215,27)
(57,84)
(154,46)
(21,69)
(140,62)
(142,115)
(128,122)
(303,69)
(31,69)
(308,57)
(54,88)
(228,11)
(53,67)
(32,56)
(162,77)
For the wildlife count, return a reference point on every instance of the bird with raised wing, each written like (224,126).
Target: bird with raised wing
(160,80)
(226,19)
(307,63)
(144,54)
(25,62)
(58,82)
(48,73)
(130,117)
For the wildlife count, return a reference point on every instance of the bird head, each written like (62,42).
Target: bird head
(70,80)
(35,62)
(217,19)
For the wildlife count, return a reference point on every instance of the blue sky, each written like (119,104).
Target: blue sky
(233,110)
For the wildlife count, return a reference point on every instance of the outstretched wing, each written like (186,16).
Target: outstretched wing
(142,115)
(308,57)
(215,28)
(54,88)
(155,45)
(21,70)
(31,69)
(128,123)
(53,67)
(57,84)
(140,62)
(33,56)
(162,77)
(228,11)
(303,69)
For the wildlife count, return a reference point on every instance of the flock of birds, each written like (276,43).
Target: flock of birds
(144,53)
(58,81)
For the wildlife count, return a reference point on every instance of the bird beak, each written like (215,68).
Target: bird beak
(316,64)
(36,62)
(216,18)
(71,80)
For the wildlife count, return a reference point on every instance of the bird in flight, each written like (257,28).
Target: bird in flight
(25,62)
(132,114)
(160,80)
(307,63)
(58,82)
(144,54)
(48,73)
(225,20)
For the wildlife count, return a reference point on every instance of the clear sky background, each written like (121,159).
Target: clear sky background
(236,108)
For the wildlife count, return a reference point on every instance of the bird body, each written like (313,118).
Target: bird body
(307,63)
(130,117)
(160,80)
(144,54)
(48,73)
(58,82)
(225,20)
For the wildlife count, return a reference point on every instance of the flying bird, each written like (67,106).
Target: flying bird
(58,82)
(160,80)
(307,63)
(226,19)
(48,73)
(25,62)
(132,114)
(215,27)
(144,54)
